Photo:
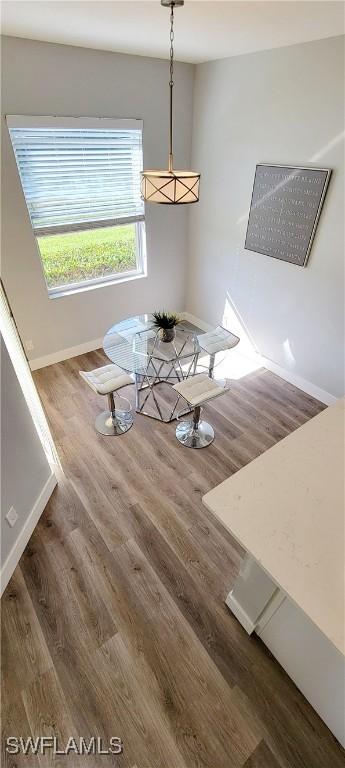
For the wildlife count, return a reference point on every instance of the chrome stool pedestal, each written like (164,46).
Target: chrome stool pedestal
(197,390)
(114,421)
(195,433)
(107,380)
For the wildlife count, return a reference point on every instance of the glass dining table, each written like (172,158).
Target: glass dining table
(135,346)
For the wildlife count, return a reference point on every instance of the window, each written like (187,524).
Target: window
(81,181)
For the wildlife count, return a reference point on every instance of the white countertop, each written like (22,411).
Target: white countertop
(286,508)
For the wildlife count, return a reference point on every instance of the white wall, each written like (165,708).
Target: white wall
(283,106)
(45,79)
(25,470)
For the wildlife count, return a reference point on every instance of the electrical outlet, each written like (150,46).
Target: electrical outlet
(12,517)
(29,345)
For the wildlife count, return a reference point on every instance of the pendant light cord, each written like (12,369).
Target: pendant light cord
(171,85)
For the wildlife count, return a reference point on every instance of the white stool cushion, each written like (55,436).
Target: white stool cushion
(107,379)
(217,341)
(197,389)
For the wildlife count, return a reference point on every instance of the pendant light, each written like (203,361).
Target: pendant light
(169,186)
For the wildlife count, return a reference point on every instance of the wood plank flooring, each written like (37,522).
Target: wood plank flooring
(114,622)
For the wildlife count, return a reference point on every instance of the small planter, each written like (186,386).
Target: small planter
(167,334)
(166,323)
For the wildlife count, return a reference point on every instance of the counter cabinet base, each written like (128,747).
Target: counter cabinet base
(310,659)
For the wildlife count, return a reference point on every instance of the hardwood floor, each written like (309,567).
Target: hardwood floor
(114,622)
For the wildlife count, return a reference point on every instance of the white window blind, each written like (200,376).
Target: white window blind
(77,176)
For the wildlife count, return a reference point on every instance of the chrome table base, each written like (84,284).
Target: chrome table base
(145,394)
(163,371)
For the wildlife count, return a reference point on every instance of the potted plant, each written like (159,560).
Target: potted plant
(166,323)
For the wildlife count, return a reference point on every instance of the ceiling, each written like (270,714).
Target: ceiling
(204,29)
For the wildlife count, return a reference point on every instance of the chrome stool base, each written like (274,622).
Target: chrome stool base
(192,436)
(107,425)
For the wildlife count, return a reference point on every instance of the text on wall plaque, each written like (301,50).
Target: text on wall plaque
(284,212)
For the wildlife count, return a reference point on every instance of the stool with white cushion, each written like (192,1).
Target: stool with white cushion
(106,381)
(217,340)
(197,390)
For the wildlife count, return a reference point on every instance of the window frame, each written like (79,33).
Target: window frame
(91,123)
(103,280)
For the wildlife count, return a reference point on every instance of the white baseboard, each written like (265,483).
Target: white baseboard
(196,321)
(298,381)
(292,378)
(65,354)
(29,526)
(90,346)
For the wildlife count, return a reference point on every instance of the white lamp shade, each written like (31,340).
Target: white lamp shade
(170,187)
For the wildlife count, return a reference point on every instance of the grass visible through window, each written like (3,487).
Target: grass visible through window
(78,256)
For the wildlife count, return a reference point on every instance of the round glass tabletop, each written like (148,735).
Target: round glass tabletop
(136,347)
